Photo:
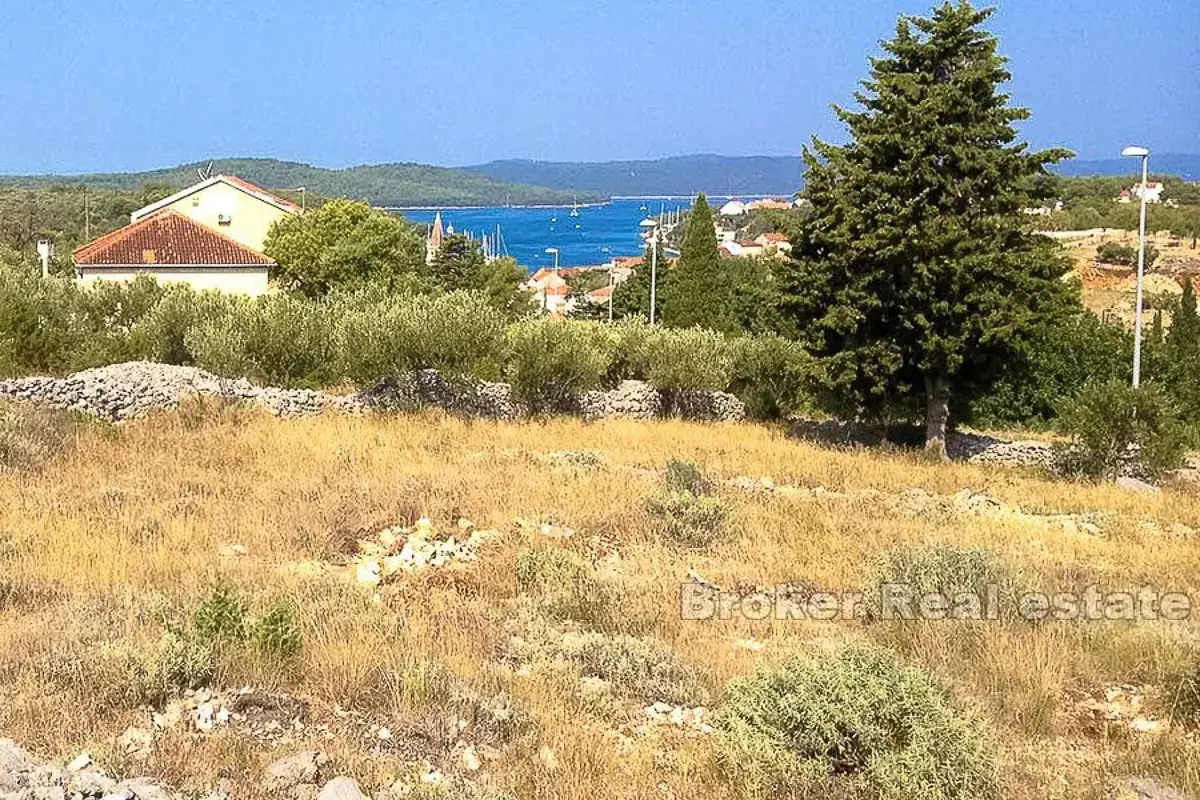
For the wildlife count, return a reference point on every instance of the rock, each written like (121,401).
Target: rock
(144,789)
(1128,483)
(547,758)
(1145,789)
(135,740)
(289,771)
(91,783)
(81,761)
(470,759)
(341,788)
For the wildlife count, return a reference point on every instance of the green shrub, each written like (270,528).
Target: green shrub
(1051,367)
(691,358)
(162,334)
(772,376)
(1115,428)
(460,334)
(550,362)
(221,616)
(684,512)
(630,350)
(635,667)
(279,339)
(685,476)
(277,634)
(1123,254)
(565,586)
(179,662)
(856,724)
(941,569)
(688,520)
(30,435)
(39,333)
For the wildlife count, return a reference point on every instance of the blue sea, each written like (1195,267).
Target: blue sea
(595,236)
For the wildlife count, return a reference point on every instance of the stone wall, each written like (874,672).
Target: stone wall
(126,391)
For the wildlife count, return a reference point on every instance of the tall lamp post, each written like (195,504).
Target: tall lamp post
(1144,155)
(651,227)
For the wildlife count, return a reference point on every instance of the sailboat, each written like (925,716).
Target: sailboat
(574,207)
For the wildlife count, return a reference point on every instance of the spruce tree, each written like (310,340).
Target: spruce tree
(696,291)
(915,277)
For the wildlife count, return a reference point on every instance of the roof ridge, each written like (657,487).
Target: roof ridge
(249,254)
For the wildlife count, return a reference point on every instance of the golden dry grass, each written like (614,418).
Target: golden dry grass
(109,544)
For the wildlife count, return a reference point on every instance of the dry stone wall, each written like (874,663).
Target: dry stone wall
(122,392)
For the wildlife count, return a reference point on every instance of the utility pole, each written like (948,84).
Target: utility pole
(1144,154)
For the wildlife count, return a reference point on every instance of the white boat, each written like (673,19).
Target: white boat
(574,208)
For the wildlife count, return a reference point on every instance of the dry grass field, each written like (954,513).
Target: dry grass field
(108,548)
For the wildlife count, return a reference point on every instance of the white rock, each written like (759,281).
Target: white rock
(1127,484)
(81,761)
(341,788)
(471,760)
(368,573)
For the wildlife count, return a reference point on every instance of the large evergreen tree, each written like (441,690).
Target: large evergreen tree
(696,291)
(915,277)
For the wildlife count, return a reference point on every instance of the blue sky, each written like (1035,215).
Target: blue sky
(98,85)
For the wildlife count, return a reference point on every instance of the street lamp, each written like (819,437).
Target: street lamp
(1144,155)
(554,250)
(650,226)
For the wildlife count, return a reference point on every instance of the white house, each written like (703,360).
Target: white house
(734,208)
(174,248)
(1154,190)
(237,208)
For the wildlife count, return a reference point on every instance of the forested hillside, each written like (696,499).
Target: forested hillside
(378,184)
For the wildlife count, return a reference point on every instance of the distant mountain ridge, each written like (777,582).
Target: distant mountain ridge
(676,175)
(1184,165)
(746,175)
(378,184)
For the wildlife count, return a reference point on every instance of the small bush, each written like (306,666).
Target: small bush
(685,476)
(686,515)
(179,662)
(688,520)
(277,634)
(1116,428)
(565,586)
(1123,254)
(772,376)
(691,358)
(281,339)
(460,334)
(635,667)
(39,333)
(550,362)
(221,616)
(30,435)
(857,724)
(941,569)
(162,334)
(630,350)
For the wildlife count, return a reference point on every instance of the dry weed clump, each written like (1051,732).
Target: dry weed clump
(110,559)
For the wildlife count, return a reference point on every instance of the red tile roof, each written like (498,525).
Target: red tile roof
(167,238)
(247,186)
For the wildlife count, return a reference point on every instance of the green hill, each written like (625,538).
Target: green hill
(378,184)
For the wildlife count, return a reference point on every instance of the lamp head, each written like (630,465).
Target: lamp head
(1136,152)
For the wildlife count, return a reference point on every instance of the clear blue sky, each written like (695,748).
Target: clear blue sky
(98,85)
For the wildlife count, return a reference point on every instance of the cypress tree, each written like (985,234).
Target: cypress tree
(915,277)
(696,290)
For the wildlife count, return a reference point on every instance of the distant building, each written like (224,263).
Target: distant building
(226,203)
(174,248)
(734,208)
(772,203)
(433,242)
(550,291)
(773,243)
(1154,190)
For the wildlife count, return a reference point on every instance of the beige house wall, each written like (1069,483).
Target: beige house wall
(240,216)
(251,280)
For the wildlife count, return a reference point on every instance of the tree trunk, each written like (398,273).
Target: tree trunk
(937,412)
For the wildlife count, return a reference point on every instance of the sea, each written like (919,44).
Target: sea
(600,231)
